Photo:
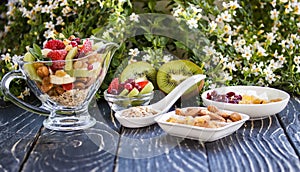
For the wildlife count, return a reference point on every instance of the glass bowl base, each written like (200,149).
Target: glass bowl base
(60,122)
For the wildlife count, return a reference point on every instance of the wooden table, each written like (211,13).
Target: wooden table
(271,144)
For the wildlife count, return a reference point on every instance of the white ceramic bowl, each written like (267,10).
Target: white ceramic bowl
(135,122)
(195,132)
(255,111)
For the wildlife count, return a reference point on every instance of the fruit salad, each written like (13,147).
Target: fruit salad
(130,87)
(64,70)
(131,92)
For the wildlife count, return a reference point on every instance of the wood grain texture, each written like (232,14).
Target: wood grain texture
(290,120)
(92,149)
(151,149)
(259,145)
(270,144)
(18,132)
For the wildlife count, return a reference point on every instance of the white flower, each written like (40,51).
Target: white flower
(273,3)
(274,14)
(247,53)
(6,58)
(21,96)
(261,51)
(133,52)
(59,20)
(219,19)
(270,78)
(226,16)
(234,5)
(227,29)
(298,69)
(245,69)
(192,23)
(79,2)
(49,34)
(209,50)
(297,60)
(281,59)
(256,69)
(231,66)
(213,26)
(227,76)
(271,37)
(26,92)
(167,58)
(297,9)
(49,25)
(134,17)
(146,57)
(215,60)
(177,11)
(195,9)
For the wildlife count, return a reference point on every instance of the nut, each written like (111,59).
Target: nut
(82,79)
(46,88)
(77,64)
(79,85)
(92,59)
(212,108)
(235,116)
(42,71)
(60,73)
(36,65)
(59,90)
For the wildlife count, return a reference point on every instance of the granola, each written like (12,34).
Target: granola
(138,111)
(71,98)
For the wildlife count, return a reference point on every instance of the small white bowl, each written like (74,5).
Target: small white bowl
(195,132)
(135,122)
(255,111)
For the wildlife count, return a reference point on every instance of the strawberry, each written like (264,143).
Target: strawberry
(114,85)
(142,83)
(68,86)
(86,47)
(57,56)
(55,44)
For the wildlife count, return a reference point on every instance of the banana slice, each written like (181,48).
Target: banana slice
(61,80)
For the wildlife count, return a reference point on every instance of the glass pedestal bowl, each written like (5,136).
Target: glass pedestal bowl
(64,88)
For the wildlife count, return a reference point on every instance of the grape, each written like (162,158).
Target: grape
(128,86)
(230,97)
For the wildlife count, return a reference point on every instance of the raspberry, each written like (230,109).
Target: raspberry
(114,85)
(87,46)
(57,56)
(55,44)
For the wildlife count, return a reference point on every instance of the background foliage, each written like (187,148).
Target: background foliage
(254,42)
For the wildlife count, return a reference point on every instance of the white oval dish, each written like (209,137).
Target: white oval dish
(195,132)
(135,122)
(255,111)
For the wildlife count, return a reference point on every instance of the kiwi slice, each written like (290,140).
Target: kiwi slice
(172,73)
(28,67)
(71,54)
(139,71)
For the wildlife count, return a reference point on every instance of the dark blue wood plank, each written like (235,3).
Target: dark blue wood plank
(92,149)
(290,120)
(259,145)
(18,132)
(151,149)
